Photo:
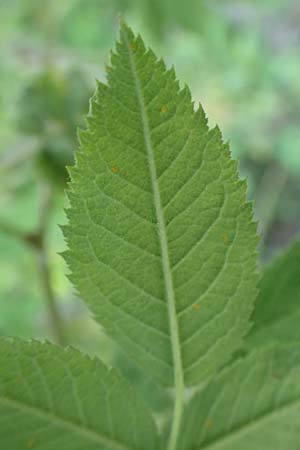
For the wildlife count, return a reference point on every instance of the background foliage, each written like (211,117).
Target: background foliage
(241,59)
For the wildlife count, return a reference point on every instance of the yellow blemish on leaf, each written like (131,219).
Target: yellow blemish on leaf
(115,169)
(225,239)
(276,376)
(208,424)
(164,109)
(30,443)
(196,306)
(132,46)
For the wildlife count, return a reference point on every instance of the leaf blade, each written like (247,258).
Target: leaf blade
(159,225)
(233,413)
(277,310)
(50,396)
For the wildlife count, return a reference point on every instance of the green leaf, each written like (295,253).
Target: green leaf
(52,398)
(162,246)
(253,405)
(276,315)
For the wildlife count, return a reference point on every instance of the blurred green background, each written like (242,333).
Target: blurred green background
(241,60)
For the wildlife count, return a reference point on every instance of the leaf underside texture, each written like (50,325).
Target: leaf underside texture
(276,316)
(162,246)
(52,398)
(253,405)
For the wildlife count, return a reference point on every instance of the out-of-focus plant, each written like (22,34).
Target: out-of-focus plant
(49,108)
(240,57)
(162,247)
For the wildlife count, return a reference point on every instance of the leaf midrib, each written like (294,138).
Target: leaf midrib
(167,273)
(66,424)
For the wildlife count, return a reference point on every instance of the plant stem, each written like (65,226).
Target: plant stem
(12,231)
(37,242)
(46,197)
(56,322)
(177,416)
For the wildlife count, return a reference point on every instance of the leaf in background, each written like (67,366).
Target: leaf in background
(276,315)
(53,398)
(50,108)
(286,148)
(254,404)
(162,245)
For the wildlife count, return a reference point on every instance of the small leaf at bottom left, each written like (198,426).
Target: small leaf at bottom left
(51,398)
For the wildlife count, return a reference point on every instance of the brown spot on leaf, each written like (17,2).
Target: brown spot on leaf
(225,239)
(132,46)
(115,169)
(164,109)
(196,306)
(276,376)
(208,424)
(30,443)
